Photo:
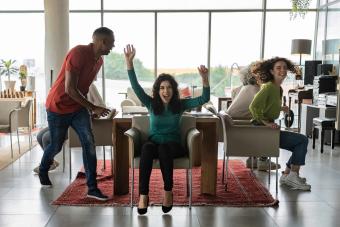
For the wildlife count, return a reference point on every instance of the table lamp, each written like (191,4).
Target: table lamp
(301,46)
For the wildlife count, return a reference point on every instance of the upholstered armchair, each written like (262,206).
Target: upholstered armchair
(9,119)
(138,134)
(242,139)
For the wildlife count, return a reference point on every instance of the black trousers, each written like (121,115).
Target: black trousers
(166,153)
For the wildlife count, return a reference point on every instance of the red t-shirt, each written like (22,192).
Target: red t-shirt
(79,61)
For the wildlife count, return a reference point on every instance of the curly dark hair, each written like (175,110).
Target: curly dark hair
(157,103)
(263,69)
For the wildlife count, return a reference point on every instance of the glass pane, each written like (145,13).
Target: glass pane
(333,35)
(179,4)
(81,33)
(84,4)
(182,48)
(287,4)
(229,43)
(280,31)
(22,5)
(321,34)
(136,29)
(25,43)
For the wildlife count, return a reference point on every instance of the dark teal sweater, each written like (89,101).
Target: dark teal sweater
(166,126)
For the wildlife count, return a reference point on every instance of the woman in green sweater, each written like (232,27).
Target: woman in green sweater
(165,109)
(266,107)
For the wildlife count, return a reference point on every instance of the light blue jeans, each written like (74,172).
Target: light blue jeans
(297,144)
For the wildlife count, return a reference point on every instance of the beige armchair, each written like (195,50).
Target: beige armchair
(138,134)
(102,132)
(131,98)
(242,139)
(9,119)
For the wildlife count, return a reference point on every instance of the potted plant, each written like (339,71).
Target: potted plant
(8,68)
(23,77)
(299,7)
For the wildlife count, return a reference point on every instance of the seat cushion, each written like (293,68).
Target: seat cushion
(179,163)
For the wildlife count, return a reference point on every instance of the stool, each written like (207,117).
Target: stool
(324,124)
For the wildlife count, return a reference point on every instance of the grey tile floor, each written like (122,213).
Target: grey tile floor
(24,203)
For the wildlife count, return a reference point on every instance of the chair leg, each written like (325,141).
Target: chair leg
(270,168)
(187,181)
(64,158)
(70,156)
(313,135)
(223,165)
(277,177)
(111,155)
(333,138)
(132,183)
(30,138)
(322,139)
(104,157)
(18,141)
(190,187)
(226,171)
(10,137)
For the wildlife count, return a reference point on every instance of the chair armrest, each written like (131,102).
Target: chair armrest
(13,119)
(242,122)
(192,136)
(134,137)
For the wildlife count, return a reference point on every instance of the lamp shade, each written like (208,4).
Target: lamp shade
(301,46)
(331,46)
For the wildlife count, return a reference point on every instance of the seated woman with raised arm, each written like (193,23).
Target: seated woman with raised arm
(266,107)
(165,108)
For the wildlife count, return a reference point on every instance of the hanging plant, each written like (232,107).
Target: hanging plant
(299,8)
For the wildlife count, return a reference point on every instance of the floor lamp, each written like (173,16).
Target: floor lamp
(301,46)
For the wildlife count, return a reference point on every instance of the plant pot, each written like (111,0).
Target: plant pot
(9,85)
(22,88)
(23,82)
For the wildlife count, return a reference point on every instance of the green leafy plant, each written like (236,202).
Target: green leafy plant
(299,8)
(8,68)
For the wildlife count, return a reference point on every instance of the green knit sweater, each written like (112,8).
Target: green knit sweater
(166,126)
(266,104)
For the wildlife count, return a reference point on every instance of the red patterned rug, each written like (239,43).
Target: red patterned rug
(244,190)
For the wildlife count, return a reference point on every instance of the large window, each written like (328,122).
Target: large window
(180,4)
(129,28)
(333,34)
(182,48)
(234,44)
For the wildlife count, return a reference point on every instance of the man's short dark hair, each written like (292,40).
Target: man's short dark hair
(102,31)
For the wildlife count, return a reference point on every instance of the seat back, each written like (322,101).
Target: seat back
(102,132)
(25,114)
(132,95)
(6,107)
(244,140)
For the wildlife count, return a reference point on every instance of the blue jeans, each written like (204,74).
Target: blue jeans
(81,123)
(297,144)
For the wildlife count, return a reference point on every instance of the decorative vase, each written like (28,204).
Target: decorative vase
(9,84)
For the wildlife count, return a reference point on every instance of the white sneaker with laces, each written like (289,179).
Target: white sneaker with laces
(54,165)
(283,179)
(294,181)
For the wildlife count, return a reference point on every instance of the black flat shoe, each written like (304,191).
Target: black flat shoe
(142,211)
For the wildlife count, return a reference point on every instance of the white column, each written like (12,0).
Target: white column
(56,36)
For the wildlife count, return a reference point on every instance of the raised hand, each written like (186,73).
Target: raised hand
(204,72)
(129,52)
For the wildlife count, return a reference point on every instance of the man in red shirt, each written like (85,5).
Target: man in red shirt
(67,106)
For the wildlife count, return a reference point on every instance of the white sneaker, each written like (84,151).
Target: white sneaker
(264,165)
(54,165)
(283,179)
(294,181)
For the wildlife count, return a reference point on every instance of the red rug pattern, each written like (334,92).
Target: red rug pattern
(243,190)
